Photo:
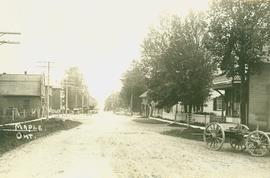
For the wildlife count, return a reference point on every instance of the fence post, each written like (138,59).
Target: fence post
(188,119)
(204,119)
(13,114)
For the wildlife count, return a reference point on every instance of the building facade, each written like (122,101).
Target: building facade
(258,106)
(22,95)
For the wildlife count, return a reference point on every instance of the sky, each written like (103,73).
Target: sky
(101,37)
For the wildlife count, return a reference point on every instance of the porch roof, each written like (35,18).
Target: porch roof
(222,82)
(144,95)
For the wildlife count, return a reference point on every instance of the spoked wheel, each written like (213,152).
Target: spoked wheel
(257,143)
(243,128)
(214,136)
(238,142)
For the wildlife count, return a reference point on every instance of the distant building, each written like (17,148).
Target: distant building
(23,93)
(145,104)
(214,103)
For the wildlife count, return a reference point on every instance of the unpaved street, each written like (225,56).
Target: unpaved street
(107,146)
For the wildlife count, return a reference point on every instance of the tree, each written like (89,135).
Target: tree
(113,102)
(154,48)
(176,64)
(238,31)
(76,87)
(133,86)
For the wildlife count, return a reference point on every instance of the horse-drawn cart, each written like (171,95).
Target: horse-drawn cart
(257,142)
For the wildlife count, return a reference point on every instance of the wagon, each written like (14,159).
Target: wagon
(257,142)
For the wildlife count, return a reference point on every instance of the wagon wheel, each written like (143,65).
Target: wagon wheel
(238,143)
(257,143)
(214,136)
(244,128)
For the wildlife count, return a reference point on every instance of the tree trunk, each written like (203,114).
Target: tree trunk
(185,108)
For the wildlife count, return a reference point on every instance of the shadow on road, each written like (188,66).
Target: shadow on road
(188,133)
(147,121)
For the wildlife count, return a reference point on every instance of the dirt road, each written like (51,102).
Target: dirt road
(107,146)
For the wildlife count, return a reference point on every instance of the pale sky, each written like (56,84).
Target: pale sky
(101,37)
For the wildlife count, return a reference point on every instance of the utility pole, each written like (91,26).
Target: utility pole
(131,104)
(66,97)
(82,100)
(48,66)
(48,90)
(67,84)
(76,97)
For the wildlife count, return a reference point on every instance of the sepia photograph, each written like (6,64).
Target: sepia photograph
(135,89)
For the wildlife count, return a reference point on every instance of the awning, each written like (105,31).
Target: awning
(215,94)
(144,95)
(222,82)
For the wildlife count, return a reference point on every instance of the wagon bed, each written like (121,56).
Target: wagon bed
(257,142)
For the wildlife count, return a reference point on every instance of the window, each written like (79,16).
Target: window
(217,104)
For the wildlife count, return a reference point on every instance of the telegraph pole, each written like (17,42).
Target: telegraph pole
(67,84)
(48,66)
(66,97)
(131,103)
(48,89)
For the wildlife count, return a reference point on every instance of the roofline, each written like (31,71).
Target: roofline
(20,95)
(21,74)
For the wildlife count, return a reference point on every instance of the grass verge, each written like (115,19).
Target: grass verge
(9,141)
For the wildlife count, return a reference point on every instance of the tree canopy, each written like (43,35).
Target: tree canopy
(238,32)
(176,65)
(133,86)
(77,90)
(113,102)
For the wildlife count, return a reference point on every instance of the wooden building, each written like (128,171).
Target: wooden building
(145,105)
(21,95)
(259,98)
(258,107)
(229,101)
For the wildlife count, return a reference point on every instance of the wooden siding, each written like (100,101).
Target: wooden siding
(21,85)
(19,102)
(259,98)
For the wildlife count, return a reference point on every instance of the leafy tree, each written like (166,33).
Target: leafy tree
(238,31)
(176,64)
(76,87)
(133,86)
(155,47)
(113,102)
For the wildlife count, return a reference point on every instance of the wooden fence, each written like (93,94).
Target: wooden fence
(189,118)
(13,114)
